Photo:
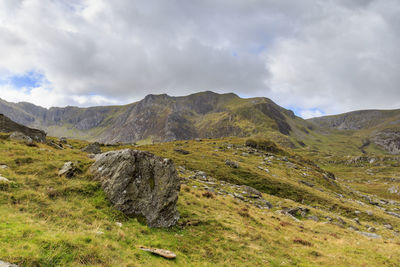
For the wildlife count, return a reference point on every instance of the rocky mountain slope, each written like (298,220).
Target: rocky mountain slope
(162,118)
(9,126)
(380,127)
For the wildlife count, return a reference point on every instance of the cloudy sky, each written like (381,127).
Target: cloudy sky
(313,56)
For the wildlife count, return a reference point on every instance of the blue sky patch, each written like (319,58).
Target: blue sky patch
(28,80)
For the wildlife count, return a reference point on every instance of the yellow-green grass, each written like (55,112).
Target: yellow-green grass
(47,220)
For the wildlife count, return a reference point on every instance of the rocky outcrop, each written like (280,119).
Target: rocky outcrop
(140,185)
(9,126)
(389,140)
(93,148)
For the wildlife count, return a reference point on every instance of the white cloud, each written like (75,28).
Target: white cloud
(332,56)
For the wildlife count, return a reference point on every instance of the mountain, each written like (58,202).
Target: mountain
(380,127)
(162,118)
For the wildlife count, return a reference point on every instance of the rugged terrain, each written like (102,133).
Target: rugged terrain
(380,127)
(162,118)
(242,203)
(259,186)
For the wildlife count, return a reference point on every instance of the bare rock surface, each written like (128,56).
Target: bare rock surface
(140,185)
(93,148)
(160,252)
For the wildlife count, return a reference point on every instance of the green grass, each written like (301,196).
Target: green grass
(47,220)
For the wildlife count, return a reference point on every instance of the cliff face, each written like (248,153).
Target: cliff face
(381,127)
(160,118)
(8,126)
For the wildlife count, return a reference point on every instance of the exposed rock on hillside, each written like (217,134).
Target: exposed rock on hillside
(93,148)
(389,140)
(161,118)
(9,126)
(140,184)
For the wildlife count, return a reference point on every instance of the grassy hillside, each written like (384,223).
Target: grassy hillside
(47,220)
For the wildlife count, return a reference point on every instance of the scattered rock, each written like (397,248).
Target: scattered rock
(55,145)
(201,174)
(307,183)
(351,227)
(357,221)
(160,252)
(252,191)
(140,185)
(393,214)
(371,235)
(312,217)
(93,148)
(394,190)
(182,151)
(388,226)
(239,196)
(68,170)
(18,136)
(371,229)
(118,224)
(297,211)
(7,264)
(63,140)
(231,164)
(3,166)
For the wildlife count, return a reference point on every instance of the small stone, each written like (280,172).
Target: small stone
(357,221)
(239,196)
(351,227)
(371,235)
(182,151)
(307,183)
(63,140)
(3,166)
(118,224)
(357,212)
(232,164)
(92,148)
(388,226)
(371,229)
(160,252)
(99,233)
(68,170)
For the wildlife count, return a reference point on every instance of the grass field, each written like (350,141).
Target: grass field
(47,220)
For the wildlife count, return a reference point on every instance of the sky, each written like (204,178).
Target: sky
(316,57)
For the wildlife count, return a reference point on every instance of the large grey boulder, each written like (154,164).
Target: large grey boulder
(140,184)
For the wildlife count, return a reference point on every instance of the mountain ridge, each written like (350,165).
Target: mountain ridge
(161,118)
